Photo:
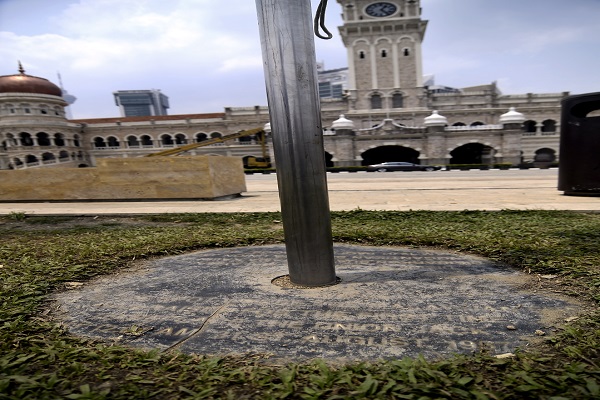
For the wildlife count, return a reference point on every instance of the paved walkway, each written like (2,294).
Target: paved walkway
(438,190)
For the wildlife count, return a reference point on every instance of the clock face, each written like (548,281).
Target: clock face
(381,9)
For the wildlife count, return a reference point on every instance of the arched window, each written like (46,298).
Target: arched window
(215,135)
(113,142)
(459,124)
(166,140)
(43,139)
(545,155)
(246,139)
(30,158)
(48,157)
(548,125)
(76,140)
(201,137)
(376,102)
(59,139)
(361,54)
(63,155)
(477,123)
(397,100)
(132,141)
(383,53)
(530,126)
(180,139)
(406,52)
(26,139)
(146,141)
(99,142)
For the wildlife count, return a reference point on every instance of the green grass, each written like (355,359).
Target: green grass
(39,359)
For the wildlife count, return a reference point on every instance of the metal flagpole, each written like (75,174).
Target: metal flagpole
(289,60)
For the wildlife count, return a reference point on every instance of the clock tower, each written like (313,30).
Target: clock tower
(383,40)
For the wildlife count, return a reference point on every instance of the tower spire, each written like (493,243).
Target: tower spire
(21,69)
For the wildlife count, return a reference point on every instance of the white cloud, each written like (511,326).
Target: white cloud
(209,51)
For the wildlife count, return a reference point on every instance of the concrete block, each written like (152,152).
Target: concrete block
(198,177)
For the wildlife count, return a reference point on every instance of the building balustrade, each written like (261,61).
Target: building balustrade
(107,148)
(474,128)
(31,146)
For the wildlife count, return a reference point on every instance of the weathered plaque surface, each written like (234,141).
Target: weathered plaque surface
(391,302)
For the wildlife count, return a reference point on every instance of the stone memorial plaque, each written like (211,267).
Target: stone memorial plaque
(391,302)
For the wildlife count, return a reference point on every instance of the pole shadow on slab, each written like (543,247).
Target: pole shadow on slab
(292,91)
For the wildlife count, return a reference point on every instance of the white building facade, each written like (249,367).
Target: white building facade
(382,93)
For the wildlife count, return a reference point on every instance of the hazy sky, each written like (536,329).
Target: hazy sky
(205,54)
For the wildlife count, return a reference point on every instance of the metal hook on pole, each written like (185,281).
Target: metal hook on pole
(319,21)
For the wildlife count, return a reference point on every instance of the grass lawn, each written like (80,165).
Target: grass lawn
(40,360)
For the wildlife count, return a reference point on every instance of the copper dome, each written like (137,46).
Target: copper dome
(23,83)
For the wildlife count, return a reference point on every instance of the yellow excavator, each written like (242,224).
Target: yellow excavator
(251,162)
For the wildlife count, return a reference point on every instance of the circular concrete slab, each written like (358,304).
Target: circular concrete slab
(391,302)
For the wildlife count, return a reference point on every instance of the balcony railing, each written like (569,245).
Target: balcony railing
(473,128)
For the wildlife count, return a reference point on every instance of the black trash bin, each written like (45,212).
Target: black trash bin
(579,166)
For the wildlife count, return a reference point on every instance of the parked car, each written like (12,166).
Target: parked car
(401,166)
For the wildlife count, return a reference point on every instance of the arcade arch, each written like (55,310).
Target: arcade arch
(132,141)
(549,126)
(146,141)
(26,139)
(43,139)
(328,160)
(530,126)
(382,154)
(113,142)
(59,139)
(545,155)
(166,140)
(99,142)
(472,153)
(48,157)
(180,138)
